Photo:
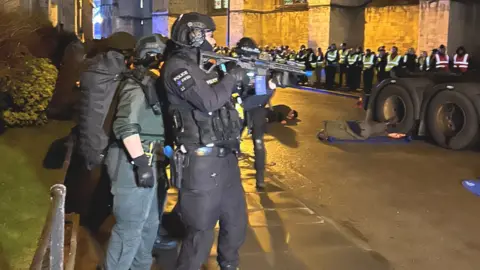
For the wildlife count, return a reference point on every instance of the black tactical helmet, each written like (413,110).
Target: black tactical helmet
(189,29)
(151,44)
(247,47)
(121,41)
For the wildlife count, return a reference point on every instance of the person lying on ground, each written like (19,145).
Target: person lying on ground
(283,114)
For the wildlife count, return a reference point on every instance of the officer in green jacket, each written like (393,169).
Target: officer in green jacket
(139,132)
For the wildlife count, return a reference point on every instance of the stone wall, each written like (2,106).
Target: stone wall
(392,25)
(237,27)
(463,28)
(285,28)
(253,26)
(347,25)
(319,27)
(221,32)
(433,25)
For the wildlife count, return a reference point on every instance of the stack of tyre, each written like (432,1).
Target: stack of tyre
(446,108)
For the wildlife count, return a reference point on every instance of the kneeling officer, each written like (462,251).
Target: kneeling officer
(207,136)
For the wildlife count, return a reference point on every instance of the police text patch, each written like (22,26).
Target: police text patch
(183,80)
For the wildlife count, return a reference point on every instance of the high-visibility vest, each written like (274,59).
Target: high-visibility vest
(442,61)
(343,56)
(391,63)
(332,56)
(352,59)
(461,62)
(368,61)
(320,62)
(424,62)
(280,59)
(311,60)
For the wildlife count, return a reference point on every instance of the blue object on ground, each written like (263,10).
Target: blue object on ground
(168,151)
(380,139)
(472,186)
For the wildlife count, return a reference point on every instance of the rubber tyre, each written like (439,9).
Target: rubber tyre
(468,136)
(406,125)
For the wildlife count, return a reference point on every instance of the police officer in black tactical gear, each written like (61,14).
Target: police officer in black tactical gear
(207,135)
(254,102)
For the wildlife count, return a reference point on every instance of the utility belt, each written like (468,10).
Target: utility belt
(181,159)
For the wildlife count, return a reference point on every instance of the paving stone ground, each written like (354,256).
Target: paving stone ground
(284,233)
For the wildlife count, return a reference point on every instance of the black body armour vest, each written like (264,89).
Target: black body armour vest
(193,128)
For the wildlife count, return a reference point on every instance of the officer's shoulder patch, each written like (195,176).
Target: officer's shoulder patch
(182,79)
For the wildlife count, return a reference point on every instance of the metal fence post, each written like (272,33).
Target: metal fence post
(57,239)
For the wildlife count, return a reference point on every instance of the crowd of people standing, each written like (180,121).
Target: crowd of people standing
(355,69)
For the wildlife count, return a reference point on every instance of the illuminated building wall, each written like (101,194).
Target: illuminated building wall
(132,16)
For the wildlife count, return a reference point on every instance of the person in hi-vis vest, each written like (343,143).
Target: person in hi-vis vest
(393,61)
(369,61)
(331,60)
(342,54)
(320,58)
(461,60)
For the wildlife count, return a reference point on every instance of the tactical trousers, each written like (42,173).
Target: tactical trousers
(343,72)
(318,73)
(136,214)
(353,78)
(382,75)
(162,197)
(330,72)
(211,191)
(258,126)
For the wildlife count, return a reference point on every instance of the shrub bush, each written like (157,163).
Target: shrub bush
(30,91)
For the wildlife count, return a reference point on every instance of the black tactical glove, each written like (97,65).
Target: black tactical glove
(143,172)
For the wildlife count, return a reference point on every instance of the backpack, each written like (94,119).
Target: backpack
(100,84)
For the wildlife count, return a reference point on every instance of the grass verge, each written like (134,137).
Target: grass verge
(24,190)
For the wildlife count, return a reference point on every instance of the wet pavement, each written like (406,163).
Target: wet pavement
(404,201)
(356,206)
(284,233)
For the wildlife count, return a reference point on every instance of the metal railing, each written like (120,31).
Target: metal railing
(52,240)
(51,245)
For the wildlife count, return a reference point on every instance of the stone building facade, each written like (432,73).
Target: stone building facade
(420,24)
(72,15)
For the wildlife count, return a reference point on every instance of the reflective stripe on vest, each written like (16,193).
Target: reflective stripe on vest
(442,61)
(332,56)
(391,63)
(460,62)
(352,59)
(367,62)
(424,62)
(343,56)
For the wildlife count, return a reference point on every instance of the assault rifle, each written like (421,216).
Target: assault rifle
(259,67)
